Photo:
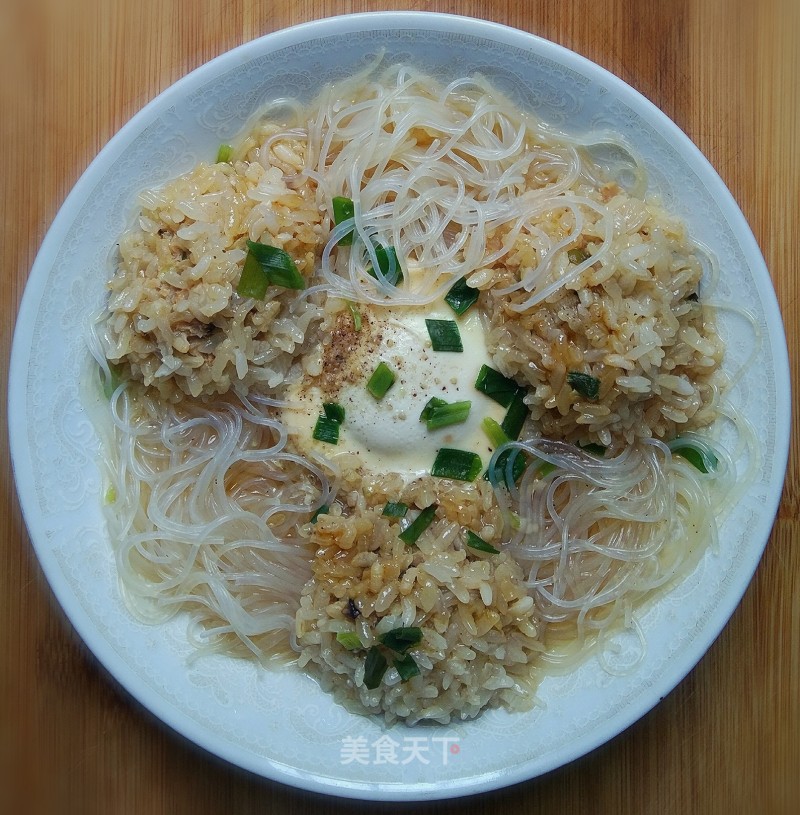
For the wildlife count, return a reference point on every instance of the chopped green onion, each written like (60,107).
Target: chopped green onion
(395,510)
(224,154)
(545,468)
(499,471)
(326,430)
(461,465)
(444,335)
(334,411)
(113,380)
(593,449)
(577,256)
(447,414)
(433,402)
(267,266)
(349,639)
(381,380)
(278,264)
(496,386)
(111,495)
(698,455)
(343,210)
(585,384)
(406,667)
(356,314)
(254,281)
(388,264)
(411,534)
(497,436)
(401,639)
(461,296)
(476,542)
(515,416)
(323,510)
(374,667)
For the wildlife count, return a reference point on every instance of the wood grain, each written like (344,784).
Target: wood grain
(727,739)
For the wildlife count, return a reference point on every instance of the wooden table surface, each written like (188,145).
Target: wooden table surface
(728,738)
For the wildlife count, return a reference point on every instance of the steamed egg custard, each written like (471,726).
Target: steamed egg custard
(387,433)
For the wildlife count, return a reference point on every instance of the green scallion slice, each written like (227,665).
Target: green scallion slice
(433,402)
(411,534)
(343,210)
(447,414)
(349,639)
(444,335)
(113,380)
(461,296)
(224,154)
(700,457)
(326,430)
(323,510)
(585,384)
(334,411)
(496,386)
(381,380)
(395,509)
(401,639)
(406,667)
(461,465)
(577,256)
(388,263)
(254,280)
(497,436)
(499,473)
(374,667)
(476,542)
(515,416)
(267,266)
(545,468)
(593,449)
(356,314)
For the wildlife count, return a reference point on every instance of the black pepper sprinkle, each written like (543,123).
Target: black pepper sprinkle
(352,609)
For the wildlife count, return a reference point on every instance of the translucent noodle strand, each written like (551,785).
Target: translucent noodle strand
(434,174)
(598,535)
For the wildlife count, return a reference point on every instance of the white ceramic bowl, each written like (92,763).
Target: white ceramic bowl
(280,725)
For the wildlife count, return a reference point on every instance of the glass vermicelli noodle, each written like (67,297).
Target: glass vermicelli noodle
(410,390)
